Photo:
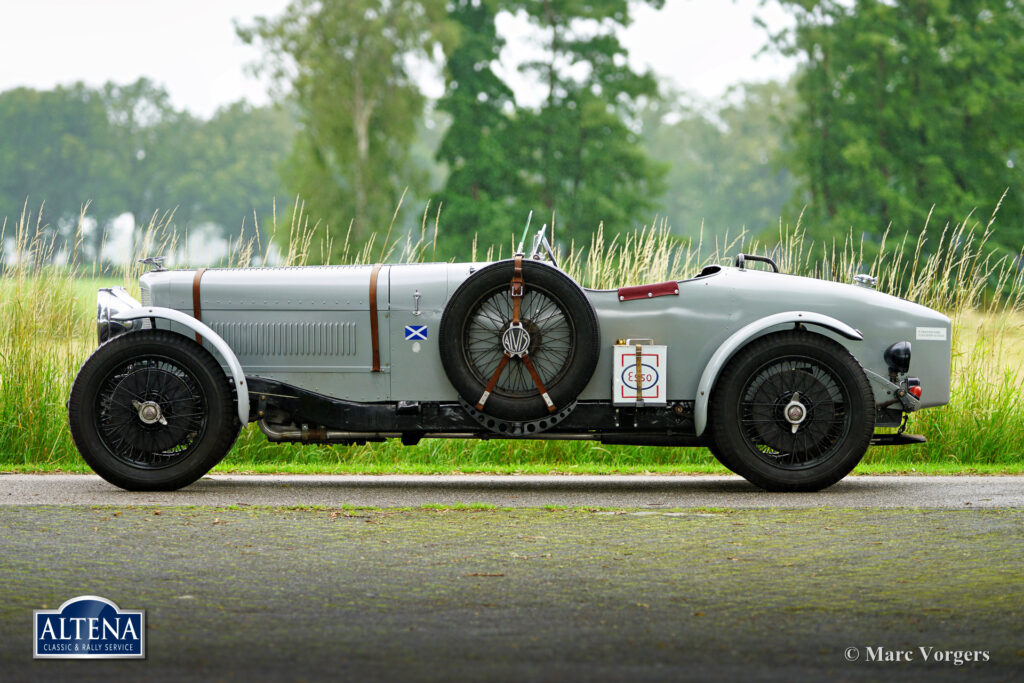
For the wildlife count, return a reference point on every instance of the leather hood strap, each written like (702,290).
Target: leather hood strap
(374,332)
(197,308)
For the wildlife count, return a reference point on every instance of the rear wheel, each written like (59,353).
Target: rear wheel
(152,411)
(792,411)
(722,457)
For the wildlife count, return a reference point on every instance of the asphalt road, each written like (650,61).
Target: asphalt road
(876,492)
(640,578)
(525,594)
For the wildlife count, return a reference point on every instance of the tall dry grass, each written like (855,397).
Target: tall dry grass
(48,329)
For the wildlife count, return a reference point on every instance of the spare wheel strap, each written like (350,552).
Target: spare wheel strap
(517,288)
(197,308)
(494,381)
(374,336)
(540,385)
(516,291)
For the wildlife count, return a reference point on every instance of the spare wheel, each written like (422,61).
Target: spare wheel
(521,369)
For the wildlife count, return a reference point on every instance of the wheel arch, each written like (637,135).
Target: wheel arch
(220,347)
(744,336)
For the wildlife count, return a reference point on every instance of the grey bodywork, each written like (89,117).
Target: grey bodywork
(310,327)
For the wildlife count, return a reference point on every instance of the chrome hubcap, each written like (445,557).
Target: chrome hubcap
(149,412)
(795,412)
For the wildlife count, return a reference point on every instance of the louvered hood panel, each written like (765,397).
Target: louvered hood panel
(280,321)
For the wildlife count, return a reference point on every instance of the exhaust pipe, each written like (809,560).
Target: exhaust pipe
(307,434)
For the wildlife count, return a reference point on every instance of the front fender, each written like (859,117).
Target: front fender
(740,338)
(209,336)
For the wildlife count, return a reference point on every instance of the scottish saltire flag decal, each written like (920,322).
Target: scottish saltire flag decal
(415,333)
(89,627)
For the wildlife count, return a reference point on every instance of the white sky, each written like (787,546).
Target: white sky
(189,46)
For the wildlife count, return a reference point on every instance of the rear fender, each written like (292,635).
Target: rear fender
(744,335)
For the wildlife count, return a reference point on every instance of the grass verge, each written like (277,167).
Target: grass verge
(49,330)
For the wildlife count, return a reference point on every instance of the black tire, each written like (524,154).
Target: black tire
(565,339)
(722,457)
(749,427)
(194,428)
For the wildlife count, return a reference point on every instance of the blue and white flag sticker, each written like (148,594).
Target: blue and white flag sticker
(415,333)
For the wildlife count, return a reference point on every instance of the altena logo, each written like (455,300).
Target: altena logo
(89,627)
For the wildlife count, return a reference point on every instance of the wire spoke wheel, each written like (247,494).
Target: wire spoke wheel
(551,332)
(826,419)
(792,411)
(172,427)
(559,334)
(152,410)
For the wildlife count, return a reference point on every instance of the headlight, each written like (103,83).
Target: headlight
(897,357)
(109,302)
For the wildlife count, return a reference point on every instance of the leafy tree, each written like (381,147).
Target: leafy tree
(54,151)
(146,131)
(226,169)
(125,149)
(218,171)
(346,66)
(724,161)
(576,156)
(476,147)
(908,104)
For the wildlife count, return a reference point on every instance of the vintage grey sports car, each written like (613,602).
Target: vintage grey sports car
(784,378)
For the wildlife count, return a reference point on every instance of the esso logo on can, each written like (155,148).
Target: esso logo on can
(648,377)
(632,384)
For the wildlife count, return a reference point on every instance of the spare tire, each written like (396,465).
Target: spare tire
(564,340)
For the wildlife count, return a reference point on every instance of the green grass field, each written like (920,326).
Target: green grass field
(49,329)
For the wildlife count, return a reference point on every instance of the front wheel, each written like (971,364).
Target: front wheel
(152,411)
(792,411)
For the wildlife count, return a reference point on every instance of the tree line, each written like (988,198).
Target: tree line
(900,112)
(575,156)
(908,109)
(124,149)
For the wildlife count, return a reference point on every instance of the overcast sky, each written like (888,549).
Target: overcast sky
(190,47)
